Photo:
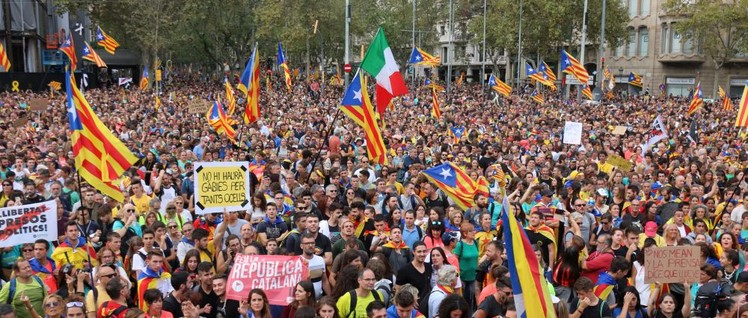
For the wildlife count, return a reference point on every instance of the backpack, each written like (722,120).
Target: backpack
(423,305)
(709,294)
(354,299)
(113,313)
(418,229)
(12,289)
(284,238)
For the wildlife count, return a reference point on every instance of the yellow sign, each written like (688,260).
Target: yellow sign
(222,185)
(619,130)
(619,162)
(198,106)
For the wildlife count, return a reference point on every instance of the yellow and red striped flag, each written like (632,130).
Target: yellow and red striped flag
(499,86)
(357,106)
(457,184)
(537,97)
(90,55)
(570,65)
(249,83)
(68,48)
(4,61)
(109,44)
(284,64)
(230,97)
(549,73)
(726,102)
(742,120)
(100,157)
(696,100)
(587,92)
(218,120)
(435,110)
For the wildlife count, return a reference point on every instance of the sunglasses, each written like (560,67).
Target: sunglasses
(52,304)
(74,304)
(130,210)
(172,226)
(28,250)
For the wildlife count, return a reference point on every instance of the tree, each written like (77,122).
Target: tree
(719,27)
(547,25)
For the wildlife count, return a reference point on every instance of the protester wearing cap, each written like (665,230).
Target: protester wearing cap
(650,231)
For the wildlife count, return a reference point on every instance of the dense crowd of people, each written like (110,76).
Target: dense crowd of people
(380,240)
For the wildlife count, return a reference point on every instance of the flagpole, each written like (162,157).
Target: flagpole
(519,47)
(347,57)
(322,144)
(483,60)
(413,42)
(449,53)
(584,42)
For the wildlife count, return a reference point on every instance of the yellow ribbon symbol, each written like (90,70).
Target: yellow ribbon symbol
(15,86)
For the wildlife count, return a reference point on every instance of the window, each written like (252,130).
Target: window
(687,46)
(643,41)
(444,54)
(633,8)
(443,30)
(675,42)
(644,8)
(631,45)
(663,41)
(621,49)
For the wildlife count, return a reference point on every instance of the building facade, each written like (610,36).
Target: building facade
(666,61)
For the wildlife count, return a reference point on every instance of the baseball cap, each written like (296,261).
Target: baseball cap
(602,192)
(650,229)
(449,237)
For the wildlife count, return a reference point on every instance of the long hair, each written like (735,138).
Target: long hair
(328,301)
(308,288)
(190,254)
(265,311)
(628,289)
(346,280)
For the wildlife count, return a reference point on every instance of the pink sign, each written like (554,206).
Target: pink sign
(276,275)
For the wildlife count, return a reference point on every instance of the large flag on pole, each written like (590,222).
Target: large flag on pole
(696,100)
(100,157)
(230,99)
(4,61)
(68,48)
(529,287)
(144,79)
(420,57)
(570,65)
(90,55)
(249,83)
(435,109)
(284,64)
(742,119)
(726,102)
(106,41)
(217,119)
(499,86)
(657,132)
(380,63)
(635,80)
(357,106)
(457,184)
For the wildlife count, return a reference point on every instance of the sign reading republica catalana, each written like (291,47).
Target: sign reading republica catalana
(276,275)
(28,223)
(221,185)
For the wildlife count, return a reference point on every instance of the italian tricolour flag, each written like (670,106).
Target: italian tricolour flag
(380,63)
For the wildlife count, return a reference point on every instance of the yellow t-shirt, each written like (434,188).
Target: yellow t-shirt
(141,204)
(344,304)
(101,298)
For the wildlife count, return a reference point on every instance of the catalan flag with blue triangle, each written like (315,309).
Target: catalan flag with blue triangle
(249,84)
(217,119)
(570,65)
(68,48)
(420,57)
(357,106)
(499,86)
(529,286)
(696,100)
(635,80)
(284,65)
(457,184)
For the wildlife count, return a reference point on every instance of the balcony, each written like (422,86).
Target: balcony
(681,58)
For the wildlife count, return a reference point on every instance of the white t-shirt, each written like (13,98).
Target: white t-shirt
(316,270)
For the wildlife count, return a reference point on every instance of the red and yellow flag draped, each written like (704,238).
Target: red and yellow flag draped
(100,157)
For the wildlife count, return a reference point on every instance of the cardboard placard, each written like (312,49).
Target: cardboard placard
(619,162)
(222,185)
(20,122)
(620,130)
(198,106)
(672,264)
(38,104)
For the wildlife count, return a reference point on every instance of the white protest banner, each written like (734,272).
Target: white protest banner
(220,185)
(573,133)
(276,275)
(28,223)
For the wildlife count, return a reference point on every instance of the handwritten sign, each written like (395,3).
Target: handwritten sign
(274,274)
(573,133)
(20,122)
(220,185)
(672,264)
(198,106)
(619,162)
(38,104)
(28,223)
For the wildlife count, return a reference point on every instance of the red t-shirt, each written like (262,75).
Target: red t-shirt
(109,307)
(597,263)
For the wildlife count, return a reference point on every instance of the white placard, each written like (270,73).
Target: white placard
(573,133)
(28,223)
(681,81)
